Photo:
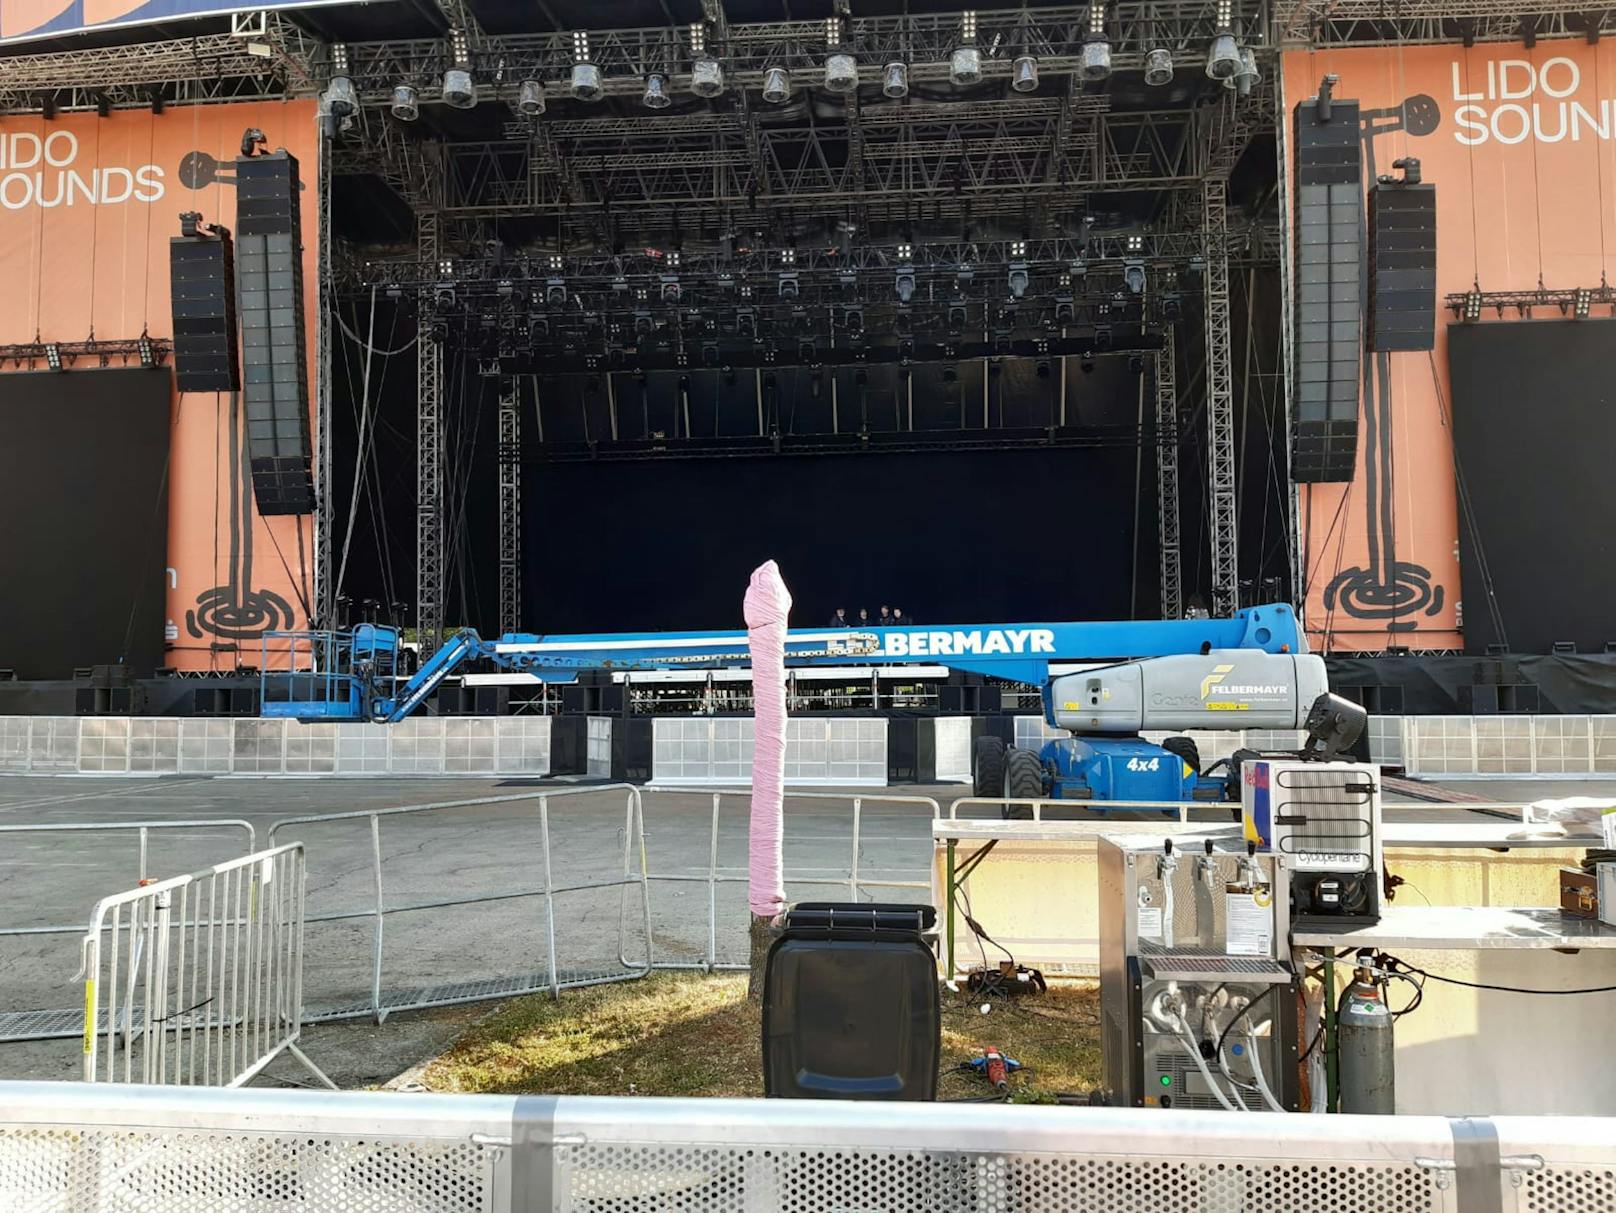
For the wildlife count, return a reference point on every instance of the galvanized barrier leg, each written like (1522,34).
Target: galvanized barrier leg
(549,896)
(852,870)
(645,874)
(376,940)
(712,889)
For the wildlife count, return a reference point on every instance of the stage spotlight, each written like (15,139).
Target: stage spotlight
(458,90)
(555,292)
(671,291)
(950,373)
(841,72)
(1136,363)
(709,353)
(1041,368)
(1095,58)
(530,98)
(1133,276)
(586,82)
(1064,309)
(1582,302)
(1159,67)
(148,356)
(1086,365)
(956,317)
(706,77)
(805,353)
(1247,74)
(1472,306)
(103,103)
(1172,307)
(53,356)
(1223,58)
(656,92)
(340,97)
(1017,279)
(1102,337)
(904,284)
(965,66)
(406,105)
(776,85)
(789,287)
(643,324)
(895,80)
(1024,74)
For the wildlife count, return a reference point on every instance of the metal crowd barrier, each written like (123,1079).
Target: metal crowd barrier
(1104,808)
(198,979)
(554,979)
(99,1149)
(48,1024)
(855,882)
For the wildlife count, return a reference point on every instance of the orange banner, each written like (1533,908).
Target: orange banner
(1521,146)
(87,208)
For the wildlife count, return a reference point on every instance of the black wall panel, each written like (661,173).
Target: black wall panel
(1534,429)
(84,492)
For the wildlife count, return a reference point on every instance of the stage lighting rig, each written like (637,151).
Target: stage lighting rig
(789,286)
(1017,279)
(1065,309)
(1246,75)
(405,105)
(706,73)
(656,92)
(1223,56)
(1159,67)
(776,86)
(1582,301)
(530,98)
(965,64)
(671,290)
(1102,338)
(895,80)
(586,81)
(555,292)
(841,73)
(340,97)
(903,283)
(1024,74)
(1095,58)
(459,90)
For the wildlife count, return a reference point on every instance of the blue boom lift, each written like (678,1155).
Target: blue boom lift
(1248,671)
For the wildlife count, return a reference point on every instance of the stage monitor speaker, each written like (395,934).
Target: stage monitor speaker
(1402,267)
(202,293)
(275,374)
(1329,255)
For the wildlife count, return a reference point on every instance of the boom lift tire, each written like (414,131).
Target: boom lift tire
(1185,748)
(987,767)
(1023,780)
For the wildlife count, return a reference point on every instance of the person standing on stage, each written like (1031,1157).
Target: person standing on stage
(899,619)
(884,619)
(864,617)
(840,619)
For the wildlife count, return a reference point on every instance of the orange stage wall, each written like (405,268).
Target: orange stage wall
(87,208)
(1523,158)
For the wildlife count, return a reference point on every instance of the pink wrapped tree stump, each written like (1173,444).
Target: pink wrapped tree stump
(768,610)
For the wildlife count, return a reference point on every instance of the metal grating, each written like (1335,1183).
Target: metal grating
(1556,1190)
(58,1170)
(644,1178)
(1192,964)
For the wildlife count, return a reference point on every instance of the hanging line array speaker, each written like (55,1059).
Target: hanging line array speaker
(202,293)
(269,281)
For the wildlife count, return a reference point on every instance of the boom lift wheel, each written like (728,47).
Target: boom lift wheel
(987,767)
(1023,780)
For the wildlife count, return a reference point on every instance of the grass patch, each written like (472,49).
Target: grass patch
(693,1034)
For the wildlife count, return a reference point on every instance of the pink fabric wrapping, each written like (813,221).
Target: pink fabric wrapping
(768,607)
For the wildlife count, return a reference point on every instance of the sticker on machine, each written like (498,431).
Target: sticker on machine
(1150,923)
(1250,920)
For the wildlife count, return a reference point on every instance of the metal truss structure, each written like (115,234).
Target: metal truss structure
(1172,570)
(510,504)
(1222,501)
(64,355)
(1578,302)
(325,521)
(429,556)
(1319,23)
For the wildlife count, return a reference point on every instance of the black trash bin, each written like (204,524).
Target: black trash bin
(850,1004)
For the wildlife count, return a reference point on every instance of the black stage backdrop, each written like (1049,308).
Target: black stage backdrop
(84,497)
(968,537)
(1534,435)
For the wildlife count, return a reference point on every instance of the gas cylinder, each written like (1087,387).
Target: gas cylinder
(1364,1047)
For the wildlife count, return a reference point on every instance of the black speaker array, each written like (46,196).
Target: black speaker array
(202,291)
(269,280)
(1402,267)
(1329,259)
